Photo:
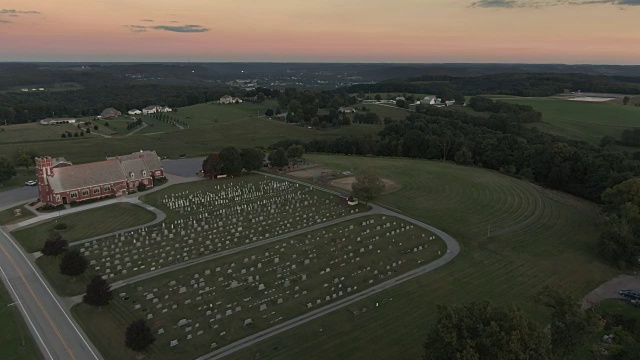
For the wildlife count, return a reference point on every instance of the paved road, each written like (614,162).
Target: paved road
(57,335)
(453,249)
(24,194)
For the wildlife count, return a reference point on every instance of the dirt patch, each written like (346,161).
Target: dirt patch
(345,184)
(609,290)
(314,173)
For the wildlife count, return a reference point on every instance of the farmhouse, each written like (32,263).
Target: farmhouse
(56,121)
(109,113)
(346,109)
(134,112)
(152,109)
(227,99)
(61,182)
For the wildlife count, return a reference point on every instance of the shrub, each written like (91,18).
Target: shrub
(60,226)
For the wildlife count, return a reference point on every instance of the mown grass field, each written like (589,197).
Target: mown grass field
(85,224)
(538,237)
(14,331)
(34,132)
(585,121)
(213,113)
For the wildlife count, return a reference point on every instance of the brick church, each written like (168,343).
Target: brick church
(61,182)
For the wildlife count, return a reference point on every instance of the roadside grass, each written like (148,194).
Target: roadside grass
(85,224)
(14,331)
(8,217)
(579,120)
(63,285)
(538,237)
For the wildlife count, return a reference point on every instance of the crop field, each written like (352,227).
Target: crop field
(205,306)
(536,237)
(85,224)
(582,120)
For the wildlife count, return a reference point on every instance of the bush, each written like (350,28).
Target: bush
(60,226)
(142,187)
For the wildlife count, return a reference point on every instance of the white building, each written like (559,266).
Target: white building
(229,100)
(56,121)
(134,112)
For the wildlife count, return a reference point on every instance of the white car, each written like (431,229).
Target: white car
(31,183)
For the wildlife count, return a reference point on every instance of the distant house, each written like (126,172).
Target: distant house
(56,121)
(281,116)
(165,109)
(449,103)
(227,99)
(109,113)
(428,101)
(152,109)
(346,109)
(134,112)
(400,98)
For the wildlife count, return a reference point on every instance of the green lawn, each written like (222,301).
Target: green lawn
(213,113)
(8,216)
(34,132)
(14,331)
(582,120)
(85,224)
(387,111)
(538,237)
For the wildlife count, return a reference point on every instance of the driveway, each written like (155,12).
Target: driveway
(182,167)
(13,196)
(609,290)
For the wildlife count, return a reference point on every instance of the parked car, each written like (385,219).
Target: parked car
(630,294)
(31,183)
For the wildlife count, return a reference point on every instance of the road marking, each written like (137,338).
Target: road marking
(46,314)
(15,294)
(52,295)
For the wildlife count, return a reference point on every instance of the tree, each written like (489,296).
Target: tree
(378,97)
(54,245)
(607,140)
(625,100)
(141,187)
(73,263)
(138,336)
(98,292)
(212,165)
(295,151)
(24,158)
(278,158)
(7,170)
(260,98)
(252,158)
(479,331)
(269,112)
(368,185)
(570,326)
(231,160)
(402,104)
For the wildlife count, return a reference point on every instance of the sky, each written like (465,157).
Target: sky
(415,31)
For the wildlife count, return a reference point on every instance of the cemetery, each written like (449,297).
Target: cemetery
(209,217)
(205,306)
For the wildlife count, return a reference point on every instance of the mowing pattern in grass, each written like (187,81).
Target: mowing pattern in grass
(212,304)
(226,215)
(85,224)
(538,237)
(582,120)
(212,113)
(14,331)
(8,216)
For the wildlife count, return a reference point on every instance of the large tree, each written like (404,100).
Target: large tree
(368,185)
(7,170)
(73,263)
(212,165)
(278,158)
(231,160)
(98,292)
(295,151)
(252,158)
(479,331)
(138,336)
(54,245)
(570,326)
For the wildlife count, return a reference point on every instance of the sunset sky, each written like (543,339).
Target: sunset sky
(536,31)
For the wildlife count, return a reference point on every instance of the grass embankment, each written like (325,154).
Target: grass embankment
(85,224)
(538,237)
(14,331)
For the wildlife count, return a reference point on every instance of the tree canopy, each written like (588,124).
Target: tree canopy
(368,185)
(278,158)
(54,245)
(252,158)
(98,292)
(212,164)
(231,161)
(478,331)
(138,336)
(73,263)
(7,170)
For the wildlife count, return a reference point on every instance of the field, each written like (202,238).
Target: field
(215,303)
(213,113)
(537,237)
(28,133)
(582,120)
(388,111)
(14,331)
(85,224)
